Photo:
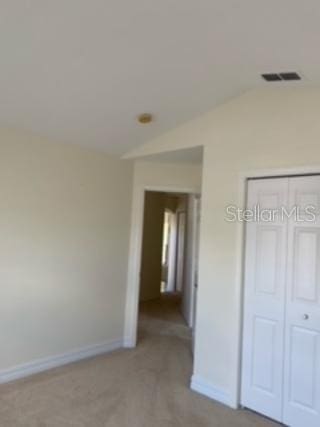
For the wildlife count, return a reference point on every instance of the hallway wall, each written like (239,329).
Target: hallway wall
(155,204)
(150,279)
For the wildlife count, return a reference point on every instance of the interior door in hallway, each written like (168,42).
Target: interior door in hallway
(181,228)
(196,266)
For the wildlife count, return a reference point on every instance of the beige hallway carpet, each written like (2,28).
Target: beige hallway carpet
(144,387)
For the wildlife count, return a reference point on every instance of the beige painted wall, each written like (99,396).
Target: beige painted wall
(150,278)
(263,129)
(64,232)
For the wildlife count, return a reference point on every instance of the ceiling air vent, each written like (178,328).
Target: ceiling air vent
(271,77)
(279,77)
(290,76)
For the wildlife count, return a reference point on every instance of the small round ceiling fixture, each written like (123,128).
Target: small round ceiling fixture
(145,118)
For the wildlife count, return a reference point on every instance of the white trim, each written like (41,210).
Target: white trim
(128,343)
(133,274)
(44,364)
(240,243)
(206,388)
(269,173)
(168,189)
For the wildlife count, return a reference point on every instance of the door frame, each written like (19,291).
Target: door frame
(171,261)
(134,263)
(180,251)
(240,250)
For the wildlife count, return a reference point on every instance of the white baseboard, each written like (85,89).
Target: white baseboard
(129,343)
(206,388)
(44,364)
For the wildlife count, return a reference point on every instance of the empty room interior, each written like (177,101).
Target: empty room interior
(159,213)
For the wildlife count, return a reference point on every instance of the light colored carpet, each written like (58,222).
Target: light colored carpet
(144,387)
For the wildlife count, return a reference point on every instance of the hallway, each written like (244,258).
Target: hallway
(144,387)
(162,317)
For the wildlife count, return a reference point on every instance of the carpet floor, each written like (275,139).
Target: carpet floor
(144,387)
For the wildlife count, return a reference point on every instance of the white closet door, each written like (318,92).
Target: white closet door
(302,360)
(263,337)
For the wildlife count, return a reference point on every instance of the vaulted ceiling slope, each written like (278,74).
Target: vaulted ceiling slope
(80,71)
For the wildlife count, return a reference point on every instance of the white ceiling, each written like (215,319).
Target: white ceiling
(81,70)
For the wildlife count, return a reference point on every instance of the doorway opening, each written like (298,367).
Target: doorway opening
(168,263)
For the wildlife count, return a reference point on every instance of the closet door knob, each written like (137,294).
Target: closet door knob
(306,316)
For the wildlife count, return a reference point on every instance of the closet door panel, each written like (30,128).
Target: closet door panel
(302,331)
(263,334)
